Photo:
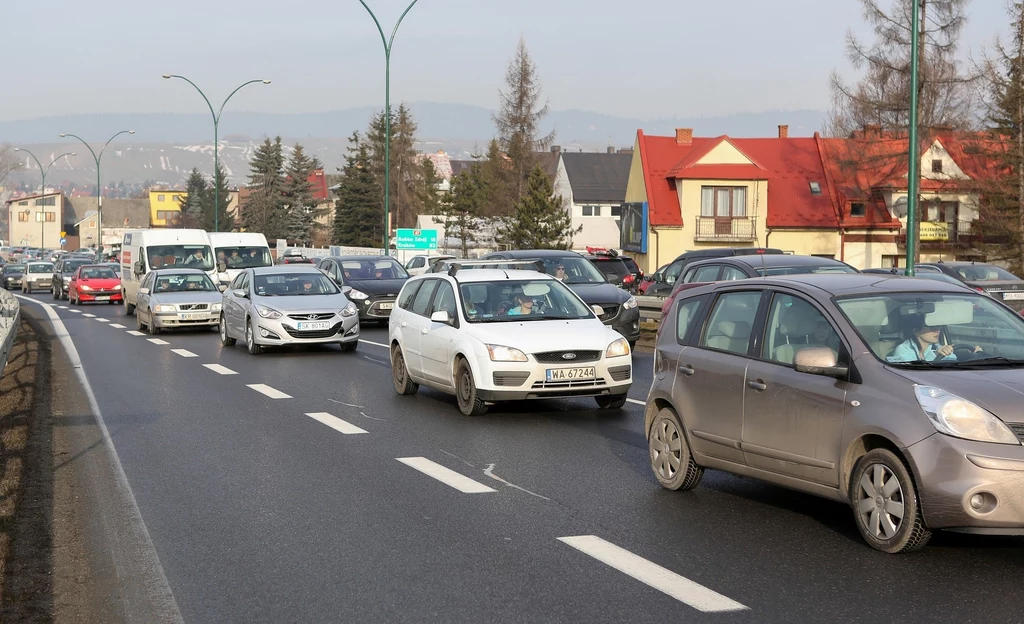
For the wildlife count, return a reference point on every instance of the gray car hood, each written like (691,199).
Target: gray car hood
(999,390)
(304,303)
(201,296)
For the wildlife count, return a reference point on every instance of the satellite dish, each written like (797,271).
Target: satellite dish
(900,208)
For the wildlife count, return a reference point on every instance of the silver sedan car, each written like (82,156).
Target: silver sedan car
(287,305)
(177,299)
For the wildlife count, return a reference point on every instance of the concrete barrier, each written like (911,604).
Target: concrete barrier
(10,318)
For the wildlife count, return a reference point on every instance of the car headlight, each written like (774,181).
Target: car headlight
(85,287)
(350,310)
(958,417)
(269,313)
(164,308)
(618,348)
(501,353)
(216,307)
(630,303)
(357,294)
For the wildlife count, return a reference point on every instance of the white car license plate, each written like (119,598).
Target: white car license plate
(103,298)
(313,325)
(390,305)
(192,316)
(568,374)
(1013,296)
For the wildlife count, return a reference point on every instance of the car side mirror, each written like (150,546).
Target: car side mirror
(441,316)
(598,310)
(222,287)
(658,276)
(819,361)
(143,291)
(240,293)
(139,268)
(222,267)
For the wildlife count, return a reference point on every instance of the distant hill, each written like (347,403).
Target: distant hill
(166,146)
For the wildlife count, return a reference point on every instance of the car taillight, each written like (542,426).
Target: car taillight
(628,279)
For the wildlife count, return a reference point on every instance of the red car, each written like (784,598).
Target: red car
(94,283)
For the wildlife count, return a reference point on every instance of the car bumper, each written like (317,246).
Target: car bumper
(14,283)
(36,284)
(627,323)
(186,319)
(950,471)
(375,308)
(283,332)
(517,381)
(114,295)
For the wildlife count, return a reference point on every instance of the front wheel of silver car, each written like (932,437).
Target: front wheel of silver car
(469,400)
(671,458)
(225,339)
(400,373)
(250,339)
(885,504)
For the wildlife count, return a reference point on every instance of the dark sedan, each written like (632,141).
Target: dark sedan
(11,275)
(371,282)
(986,278)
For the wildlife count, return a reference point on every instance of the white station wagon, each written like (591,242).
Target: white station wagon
(492,335)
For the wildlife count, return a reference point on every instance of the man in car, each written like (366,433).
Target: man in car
(560,273)
(195,259)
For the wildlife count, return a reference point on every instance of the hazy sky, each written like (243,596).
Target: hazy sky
(635,58)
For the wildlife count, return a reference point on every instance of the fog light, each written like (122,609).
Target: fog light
(977,502)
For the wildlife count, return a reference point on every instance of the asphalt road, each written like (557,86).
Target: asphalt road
(537,512)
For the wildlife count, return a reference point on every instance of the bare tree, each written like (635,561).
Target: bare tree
(8,163)
(882,95)
(519,116)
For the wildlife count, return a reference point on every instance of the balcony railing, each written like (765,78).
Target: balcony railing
(735,229)
(942,233)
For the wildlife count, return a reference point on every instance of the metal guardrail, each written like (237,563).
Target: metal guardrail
(10,318)
(650,307)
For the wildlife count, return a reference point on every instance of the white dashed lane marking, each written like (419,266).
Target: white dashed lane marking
(376,344)
(89,315)
(335,423)
(445,475)
(132,332)
(652,574)
(117,326)
(63,307)
(184,353)
(157,341)
(103,320)
(220,370)
(266,390)
(636,401)
(76,311)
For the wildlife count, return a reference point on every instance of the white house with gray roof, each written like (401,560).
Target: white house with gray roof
(593,187)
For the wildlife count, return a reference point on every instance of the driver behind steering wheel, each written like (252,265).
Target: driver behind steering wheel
(923,343)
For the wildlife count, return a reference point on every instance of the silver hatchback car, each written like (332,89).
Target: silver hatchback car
(287,305)
(899,396)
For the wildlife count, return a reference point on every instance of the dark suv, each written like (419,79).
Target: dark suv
(619,309)
(62,272)
(671,274)
(619,270)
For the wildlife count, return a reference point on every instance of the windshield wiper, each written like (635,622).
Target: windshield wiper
(924,364)
(995,360)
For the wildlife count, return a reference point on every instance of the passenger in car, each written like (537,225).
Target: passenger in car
(922,343)
(524,308)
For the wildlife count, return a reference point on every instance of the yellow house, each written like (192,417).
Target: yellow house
(165,208)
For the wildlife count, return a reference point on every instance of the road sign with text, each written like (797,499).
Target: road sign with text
(408,238)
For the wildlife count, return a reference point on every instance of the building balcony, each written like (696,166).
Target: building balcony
(942,234)
(725,229)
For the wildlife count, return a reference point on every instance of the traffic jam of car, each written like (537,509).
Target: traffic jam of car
(896,395)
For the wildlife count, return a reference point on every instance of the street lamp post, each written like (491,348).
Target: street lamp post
(387,113)
(99,189)
(912,168)
(42,192)
(216,141)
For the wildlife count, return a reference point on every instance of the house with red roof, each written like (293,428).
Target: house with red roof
(837,198)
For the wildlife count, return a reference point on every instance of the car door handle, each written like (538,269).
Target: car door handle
(686,369)
(757,385)
(404,324)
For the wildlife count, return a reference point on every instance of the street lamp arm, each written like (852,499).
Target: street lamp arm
(108,143)
(237,89)
(83,142)
(196,87)
(399,23)
(58,158)
(383,39)
(22,149)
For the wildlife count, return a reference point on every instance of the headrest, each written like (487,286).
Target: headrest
(734,329)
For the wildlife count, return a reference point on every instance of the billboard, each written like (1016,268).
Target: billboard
(633,227)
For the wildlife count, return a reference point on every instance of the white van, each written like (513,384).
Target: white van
(236,251)
(145,250)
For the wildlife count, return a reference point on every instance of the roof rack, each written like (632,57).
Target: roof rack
(455,267)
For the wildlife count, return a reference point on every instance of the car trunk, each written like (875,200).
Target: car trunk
(1010,292)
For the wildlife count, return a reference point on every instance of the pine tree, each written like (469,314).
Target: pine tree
(191,204)
(429,200)
(518,119)
(297,191)
(406,179)
(225,221)
(497,178)
(460,210)
(264,207)
(540,220)
(359,212)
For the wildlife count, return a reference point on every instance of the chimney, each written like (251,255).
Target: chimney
(783,132)
(684,136)
(556,148)
(611,149)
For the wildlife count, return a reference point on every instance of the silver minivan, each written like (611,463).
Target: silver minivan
(899,396)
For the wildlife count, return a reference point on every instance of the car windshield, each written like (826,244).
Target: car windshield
(191,256)
(984,273)
(70,265)
(521,300)
(936,329)
(382,269)
(14,268)
(800,270)
(294,284)
(42,267)
(183,282)
(96,272)
(244,257)
(612,268)
(575,270)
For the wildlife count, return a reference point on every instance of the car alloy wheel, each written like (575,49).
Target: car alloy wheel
(250,339)
(129,309)
(885,504)
(225,339)
(139,325)
(671,459)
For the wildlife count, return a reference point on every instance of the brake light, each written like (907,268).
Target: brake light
(979,289)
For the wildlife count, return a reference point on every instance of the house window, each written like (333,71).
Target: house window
(165,215)
(47,201)
(857,210)
(591,211)
(51,217)
(23,217)
(23,203)
(175,198)
(160,198)
(942,212)
(616,211)
(723,202)
(815,188)
(936,166)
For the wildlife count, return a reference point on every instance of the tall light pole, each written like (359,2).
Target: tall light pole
(387,113)
(42,192)
(99,189)
(216,141)
(913,165)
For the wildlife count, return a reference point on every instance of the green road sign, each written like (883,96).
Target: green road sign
(407,238)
